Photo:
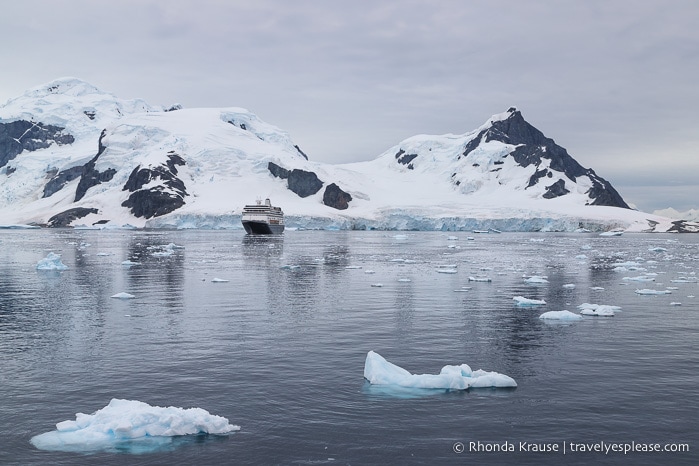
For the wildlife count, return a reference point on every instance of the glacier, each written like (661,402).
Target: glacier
(131,426)
(73,155)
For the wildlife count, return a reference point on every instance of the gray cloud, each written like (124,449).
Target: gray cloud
(612,81)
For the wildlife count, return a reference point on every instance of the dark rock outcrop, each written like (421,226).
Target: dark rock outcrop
(159,200)
(90,176)
(59,180)
(533,146)
(557,189)
(278,171)
(303,183)
(303,154)
(336,198)
(65,218)
(21,135)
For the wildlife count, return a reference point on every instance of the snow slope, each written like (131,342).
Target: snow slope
(71,154)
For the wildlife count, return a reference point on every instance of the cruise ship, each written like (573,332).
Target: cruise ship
(263,219)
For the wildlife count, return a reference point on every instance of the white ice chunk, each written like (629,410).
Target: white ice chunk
(560,315)
(536,280)
(219,280)
(603,310)
(445,270)
(675,304)
(377,285)
(378,371)
(125,421)
(51,262)
(123,295)
(646,291)
(641,278)
(524,302)
(480,279)
(569,286)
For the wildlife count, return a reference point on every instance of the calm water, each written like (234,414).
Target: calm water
(280,348)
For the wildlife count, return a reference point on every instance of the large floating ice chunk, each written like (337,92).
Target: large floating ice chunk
(378,371)
(51,262)
(599,310)
(560,315)
(123,422)
(521,301)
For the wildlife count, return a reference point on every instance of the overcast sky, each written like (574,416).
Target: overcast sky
(614,82)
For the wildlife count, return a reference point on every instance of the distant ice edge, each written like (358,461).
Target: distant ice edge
(394,222)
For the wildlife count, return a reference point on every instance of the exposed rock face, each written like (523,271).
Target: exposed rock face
(534,146)
(304,183)
(58,181)
(65,218)
(21,135)
(405,159)
(556,189)
(336,197)
(301,182)
(159,200)
(90,176)
(278,171)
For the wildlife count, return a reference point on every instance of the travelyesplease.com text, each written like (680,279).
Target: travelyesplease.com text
(569,447)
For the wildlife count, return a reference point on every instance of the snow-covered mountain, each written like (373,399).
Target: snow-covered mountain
(71,154)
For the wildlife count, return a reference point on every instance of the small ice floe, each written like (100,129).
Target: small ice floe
(560,315)
(525,302)
(130,426)
(397,260)
(536,280)
(569,286)
(480,279)
(290,267)
(123,295)
(404,280)
(353,267)
(452,238)
(684,280)
(649,292)
(378,371)
(536,240)
(581,256)
(657,249)
(369,272)
(463,289)
(128,263)
(640,278)
(104,254)
(601,310)
(612,233)
(51,262)
(675,304)
(596,288)
(219,280)
(470,238)
(377,285)
(400,237)
(445,270)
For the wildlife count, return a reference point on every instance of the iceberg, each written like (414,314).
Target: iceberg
(123,295)
(51,262)
(378,371)
(536,280)
(599,310)
(560,315)
(124,424)
(524,302)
